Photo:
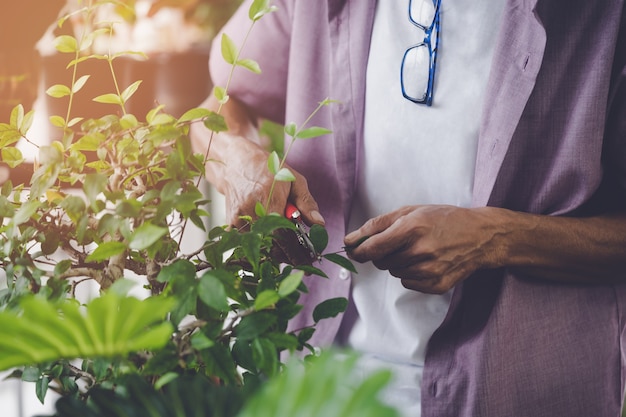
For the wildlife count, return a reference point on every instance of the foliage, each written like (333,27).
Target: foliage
(109,202)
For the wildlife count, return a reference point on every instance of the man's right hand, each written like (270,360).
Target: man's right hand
(237,167)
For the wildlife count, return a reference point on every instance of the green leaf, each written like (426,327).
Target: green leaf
(267,224)
(273,163)
(291,129)
(108,326)
(220,94)
(215,122)
(94,185)
(66,44)
(200,341)
(259,209)
(229,50)
(341,261)
(105,251)
(80,83)
(180,268)
(41,388)
(290,284)
(319,237)
(284,174)
(250,65)
(109,99)
(58,91)
(266,299)
(312,132)
(57,121)
(254,325)
(329,308)
(194,114)
(17,116)
(130,91)
(146,235)
(259,8)
(12,156)
(212,292)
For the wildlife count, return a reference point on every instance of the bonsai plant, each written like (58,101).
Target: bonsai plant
(111,199)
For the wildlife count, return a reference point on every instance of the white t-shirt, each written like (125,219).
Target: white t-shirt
(414,154)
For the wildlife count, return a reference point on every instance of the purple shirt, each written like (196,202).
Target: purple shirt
(552,141)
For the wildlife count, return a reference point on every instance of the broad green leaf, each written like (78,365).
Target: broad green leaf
(284,175)
(267,224)
(105,251)
(273,163)
(74,121)
(329,308)
(109,326)
(88,143)
(129,121)
(200,341)
(58,91)
(27,122)
(130,91)
(290,284)
(212,292)
(108,99)
(327,386)
(12,156)
(26,211)
(250,65)
(146,235)
(229,49)
(312,132)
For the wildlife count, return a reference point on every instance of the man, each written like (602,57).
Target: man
(512,302)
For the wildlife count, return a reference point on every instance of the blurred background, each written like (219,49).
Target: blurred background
(175,36)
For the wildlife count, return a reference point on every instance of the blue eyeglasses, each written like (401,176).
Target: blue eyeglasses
(417,73)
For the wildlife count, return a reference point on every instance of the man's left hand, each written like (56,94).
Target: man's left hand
(430,248)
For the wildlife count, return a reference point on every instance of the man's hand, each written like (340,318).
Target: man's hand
(430,248)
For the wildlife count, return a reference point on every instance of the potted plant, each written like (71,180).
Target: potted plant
(108,203)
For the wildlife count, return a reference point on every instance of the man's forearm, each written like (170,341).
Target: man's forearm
(578,250)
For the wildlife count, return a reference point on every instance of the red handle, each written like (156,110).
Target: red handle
(292,212)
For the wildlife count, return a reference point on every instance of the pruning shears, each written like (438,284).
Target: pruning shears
(302,230)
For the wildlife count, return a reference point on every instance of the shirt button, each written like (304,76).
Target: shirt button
(344,274)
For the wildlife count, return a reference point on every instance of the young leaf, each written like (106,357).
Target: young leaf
(58,91)
(17,116)
(78,85)
(273,163)
(259,210)
(130,90)
(108,99)
(66,44)
(194,114)
(229,50)
(215,122)
(319,237)
(57,121)
(259,8)
(94,184)
(250,65)
(290,129)
(220,94)
(285,175)
(12,156)
(312,132)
